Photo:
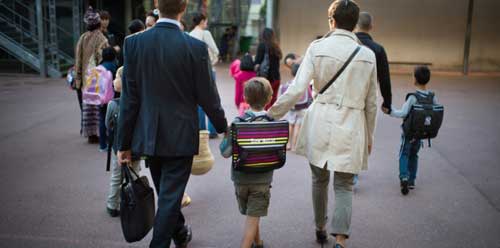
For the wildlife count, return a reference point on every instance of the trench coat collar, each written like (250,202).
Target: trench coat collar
(343,32)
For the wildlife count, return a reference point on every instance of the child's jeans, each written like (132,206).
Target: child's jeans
(103,137)
(408,159)
(116,181)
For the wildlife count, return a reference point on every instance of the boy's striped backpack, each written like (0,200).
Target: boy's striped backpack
(259,143)
(98,88)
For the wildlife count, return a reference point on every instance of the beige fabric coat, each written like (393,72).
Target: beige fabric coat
(206,36)
(88,52)
(340,124)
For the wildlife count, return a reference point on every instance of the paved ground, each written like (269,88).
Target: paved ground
(53,185)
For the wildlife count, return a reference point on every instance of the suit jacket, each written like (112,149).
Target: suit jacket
(383,74)
(340,123)
(166,75)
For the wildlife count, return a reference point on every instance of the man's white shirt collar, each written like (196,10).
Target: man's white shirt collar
(168,20)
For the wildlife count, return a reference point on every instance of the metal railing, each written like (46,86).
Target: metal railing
(11,12)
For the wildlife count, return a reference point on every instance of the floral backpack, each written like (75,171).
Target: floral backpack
(98,87)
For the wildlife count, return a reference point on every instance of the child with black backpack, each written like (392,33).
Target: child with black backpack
(422,119)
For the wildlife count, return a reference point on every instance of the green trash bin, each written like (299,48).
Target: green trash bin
(245,42)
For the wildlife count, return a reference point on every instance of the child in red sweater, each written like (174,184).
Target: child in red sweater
(242,70)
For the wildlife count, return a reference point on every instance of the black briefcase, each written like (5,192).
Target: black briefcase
(137,206)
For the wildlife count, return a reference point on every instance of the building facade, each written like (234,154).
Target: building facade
(413,32)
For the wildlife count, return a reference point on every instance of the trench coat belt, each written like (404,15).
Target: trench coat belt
(338,102)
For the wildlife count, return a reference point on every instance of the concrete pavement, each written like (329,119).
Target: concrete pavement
(53,185)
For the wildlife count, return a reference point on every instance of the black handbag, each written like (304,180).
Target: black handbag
(137,206)
(265,65)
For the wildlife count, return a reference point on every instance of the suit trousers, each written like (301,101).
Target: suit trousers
(342,185)
(170,176)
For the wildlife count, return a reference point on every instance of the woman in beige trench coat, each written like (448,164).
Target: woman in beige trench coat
(338,128)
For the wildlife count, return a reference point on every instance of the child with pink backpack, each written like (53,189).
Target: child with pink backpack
(98,90)
(242,71)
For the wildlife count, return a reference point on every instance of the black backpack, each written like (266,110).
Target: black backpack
(111,135)
(425,117)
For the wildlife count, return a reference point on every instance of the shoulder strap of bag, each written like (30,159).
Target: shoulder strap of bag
(408,96)
(340,71)
(110,148)
(424,99)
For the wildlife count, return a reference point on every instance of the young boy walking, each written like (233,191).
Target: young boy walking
(116,179)
(408,155)
(252,189)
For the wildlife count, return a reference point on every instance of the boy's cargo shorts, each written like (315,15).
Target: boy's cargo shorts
(253,199)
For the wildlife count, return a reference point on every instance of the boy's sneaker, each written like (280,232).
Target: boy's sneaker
(411,185)
(404,187)
(321,236)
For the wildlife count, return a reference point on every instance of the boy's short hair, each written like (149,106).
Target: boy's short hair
(108,54)
(135,26)
(258,92)
(345,13)
(295,69)
(422,74)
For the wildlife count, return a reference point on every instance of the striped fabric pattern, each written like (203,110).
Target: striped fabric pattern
(259,146)
(90,120)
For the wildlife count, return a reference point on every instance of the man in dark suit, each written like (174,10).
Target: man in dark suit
(365,25)
(166,76)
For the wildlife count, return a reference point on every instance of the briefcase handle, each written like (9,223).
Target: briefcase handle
(127,173)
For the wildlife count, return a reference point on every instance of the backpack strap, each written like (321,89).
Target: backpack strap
(110,148)
(424,98)
(251,117)
(410,94)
